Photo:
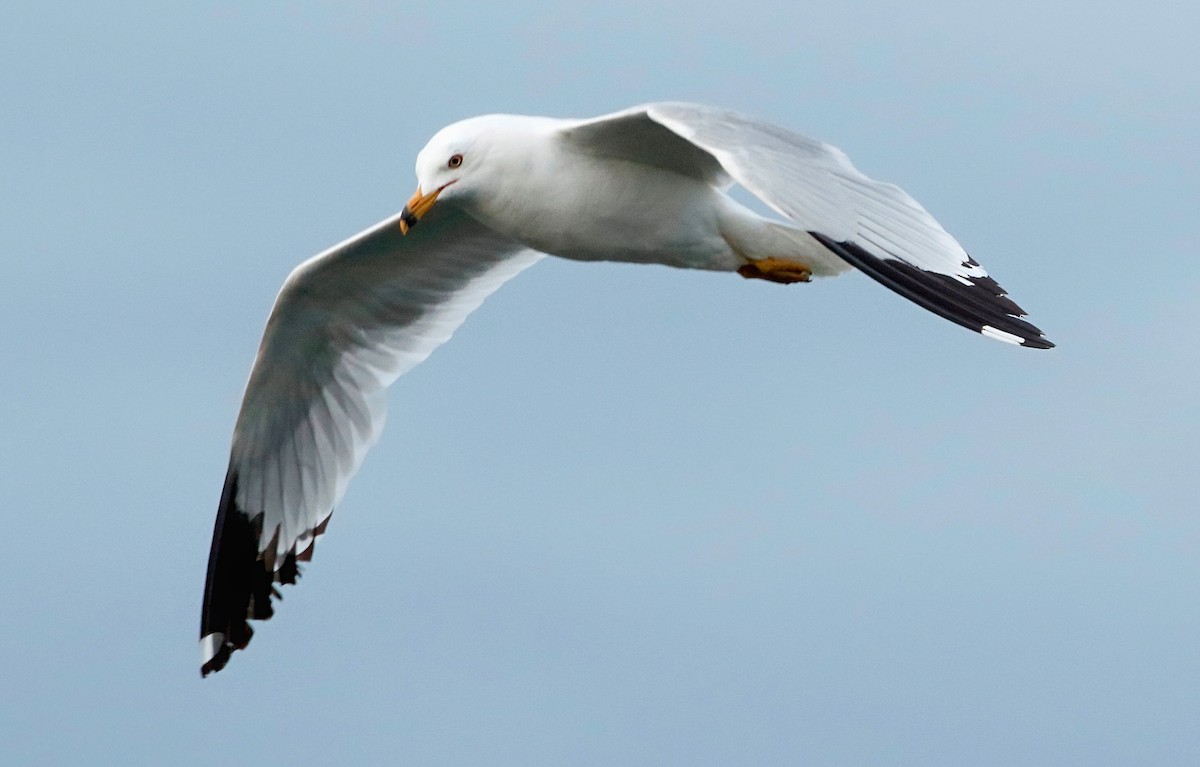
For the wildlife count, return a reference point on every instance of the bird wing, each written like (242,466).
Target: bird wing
(346,324)
(874,226)
(634,135)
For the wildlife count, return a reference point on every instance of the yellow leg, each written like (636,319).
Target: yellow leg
(779,270)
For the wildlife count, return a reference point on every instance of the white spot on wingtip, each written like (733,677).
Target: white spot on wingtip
(1000,335)
(209,645)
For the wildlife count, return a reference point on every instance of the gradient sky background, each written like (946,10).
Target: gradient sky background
(628,515)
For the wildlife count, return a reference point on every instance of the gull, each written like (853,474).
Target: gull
(646,185)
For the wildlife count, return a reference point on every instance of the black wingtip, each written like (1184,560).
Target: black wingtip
(239,587)
(982,305)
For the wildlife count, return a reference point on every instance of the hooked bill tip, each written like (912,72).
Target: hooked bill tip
(408,220)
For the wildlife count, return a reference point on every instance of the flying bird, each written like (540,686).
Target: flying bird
(646,185)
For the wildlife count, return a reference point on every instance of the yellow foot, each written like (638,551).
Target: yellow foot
(778,270)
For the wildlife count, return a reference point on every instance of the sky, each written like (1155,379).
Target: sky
(628,515)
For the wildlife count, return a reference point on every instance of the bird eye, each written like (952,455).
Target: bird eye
(455,161)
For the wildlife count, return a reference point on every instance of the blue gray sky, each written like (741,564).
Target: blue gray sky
(629,515)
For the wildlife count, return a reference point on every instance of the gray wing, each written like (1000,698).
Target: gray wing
(874,226)
(633,134)
(346,324)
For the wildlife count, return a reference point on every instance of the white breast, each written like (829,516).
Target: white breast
(599,209)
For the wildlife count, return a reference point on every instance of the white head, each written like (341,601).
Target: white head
(463,160)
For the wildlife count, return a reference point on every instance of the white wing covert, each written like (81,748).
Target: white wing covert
(346,324)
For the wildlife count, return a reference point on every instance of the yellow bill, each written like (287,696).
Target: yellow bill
(418,205)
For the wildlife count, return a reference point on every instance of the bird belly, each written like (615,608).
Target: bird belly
(627,212)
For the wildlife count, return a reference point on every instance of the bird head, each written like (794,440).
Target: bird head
(450,166)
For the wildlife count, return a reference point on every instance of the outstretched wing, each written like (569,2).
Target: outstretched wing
(874,226)
(346,324)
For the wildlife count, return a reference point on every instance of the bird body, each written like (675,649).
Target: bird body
(669,212)
(647,185)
